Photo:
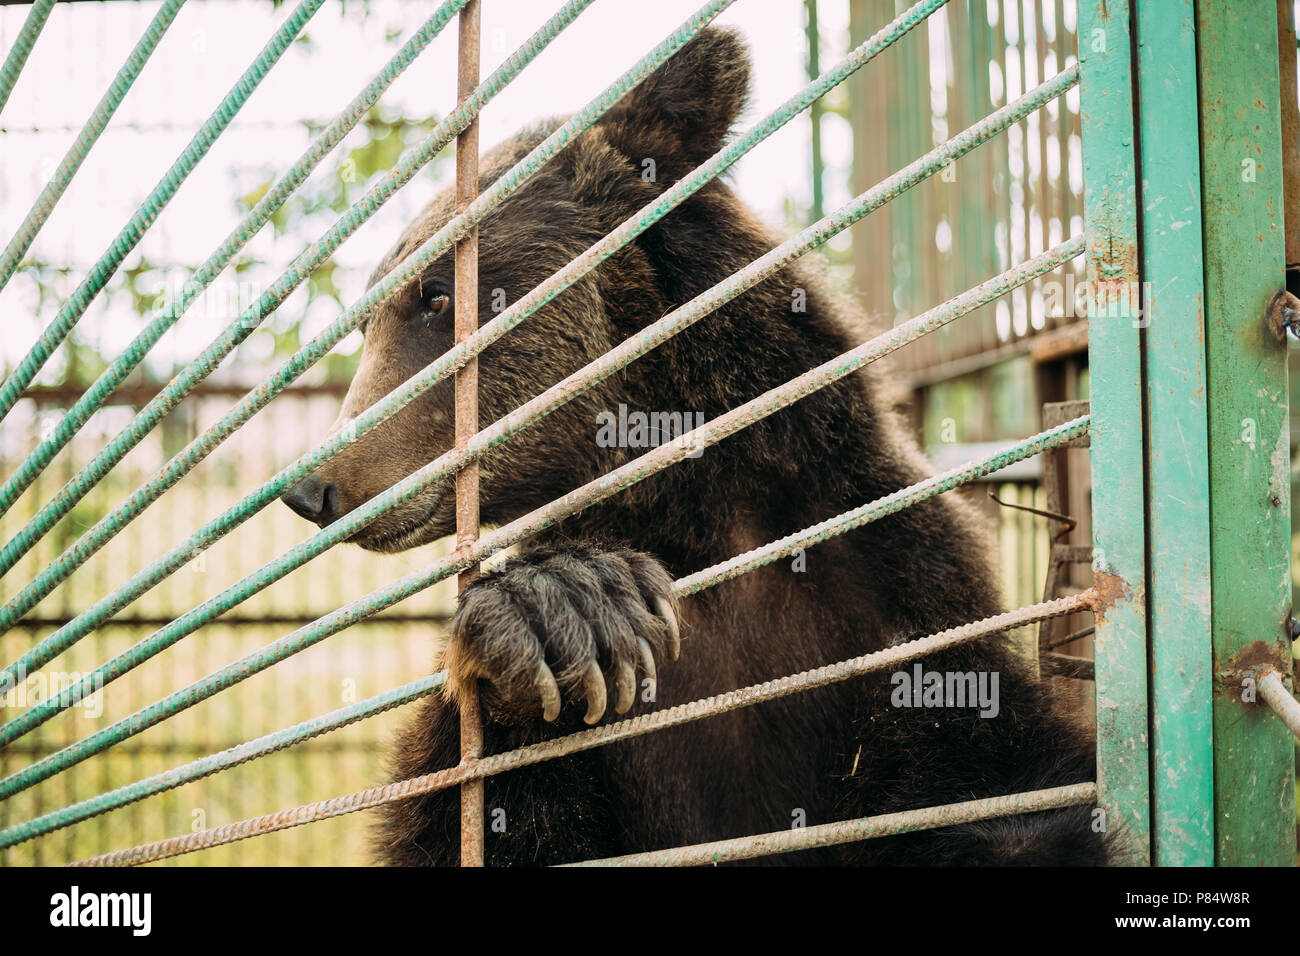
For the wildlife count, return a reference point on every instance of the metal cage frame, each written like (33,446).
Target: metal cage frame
(1191,588)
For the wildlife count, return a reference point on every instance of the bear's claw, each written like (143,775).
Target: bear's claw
(559,623)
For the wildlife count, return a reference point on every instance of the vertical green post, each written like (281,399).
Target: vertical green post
(1114,356)
(1178,536)
(1250,520)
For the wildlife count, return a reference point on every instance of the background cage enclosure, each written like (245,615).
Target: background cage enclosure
(1080,201)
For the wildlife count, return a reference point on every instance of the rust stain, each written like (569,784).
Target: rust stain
(1108,590)
(1254,660)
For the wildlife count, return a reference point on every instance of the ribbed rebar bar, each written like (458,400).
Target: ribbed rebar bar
(522,417)
(863,828)
(514,422)
(126,240)
(682,587)
(208,360)
(595,737)
(490,543)
(406,271)
(257,217)
(232,757)
(80,147)
(22,48)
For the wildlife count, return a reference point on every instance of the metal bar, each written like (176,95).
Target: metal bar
(1290,110)
(595,737)
(257,217)
(517,313)
(812,34)
(1250,490)
(685,586)
(904,498)
(208,360)
(503,537)
(521,418)
(1178,464)
(214,763)
(864,828)
(126,240)
(1275,693)
(466,400)
(1115,364)
(22,48)
(80,147)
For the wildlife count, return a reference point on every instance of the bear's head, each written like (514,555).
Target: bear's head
(661,130)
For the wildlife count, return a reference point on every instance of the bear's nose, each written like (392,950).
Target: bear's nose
(314,499)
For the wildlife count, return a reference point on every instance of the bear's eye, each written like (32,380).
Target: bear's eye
(434,304)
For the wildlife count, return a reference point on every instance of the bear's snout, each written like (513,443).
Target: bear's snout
(314,499)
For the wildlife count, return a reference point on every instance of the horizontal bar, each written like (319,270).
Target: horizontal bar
(22,48)
(1278,696)
(207,361)
(72,310)
(403,273)
(863,828)
(595,737)
(404,587)
(80,148)
(534,410)
(257,217)
(453,360)
(234,756)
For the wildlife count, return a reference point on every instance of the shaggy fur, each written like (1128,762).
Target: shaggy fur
(586,593)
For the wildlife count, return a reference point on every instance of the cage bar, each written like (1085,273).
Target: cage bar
(1246,373)
(1115,369)
(526,526)
(159,197)
(466,408)
(648,338)
(595,737)
(1168,309)
(291,369)
(22,48)
(77,152)
(261,213)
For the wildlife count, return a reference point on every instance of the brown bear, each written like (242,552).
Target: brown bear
(569,630)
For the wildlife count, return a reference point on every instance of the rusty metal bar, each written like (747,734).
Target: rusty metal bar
(1277,695)
(595,737)
(863,828)
(466,389)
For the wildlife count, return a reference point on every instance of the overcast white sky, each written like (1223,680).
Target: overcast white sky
(213,41)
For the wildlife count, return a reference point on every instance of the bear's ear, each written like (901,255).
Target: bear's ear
(680,114)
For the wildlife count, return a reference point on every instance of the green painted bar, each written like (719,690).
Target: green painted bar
(22,48)
(1114,358)
(1250,507)
(1178,529)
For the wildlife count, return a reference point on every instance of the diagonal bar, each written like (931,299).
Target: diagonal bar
(682,587)
(649,338)
(404,272)
(595,737)
(154,203)
(257,217)
(80,147)
(538,520)
(22,48)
